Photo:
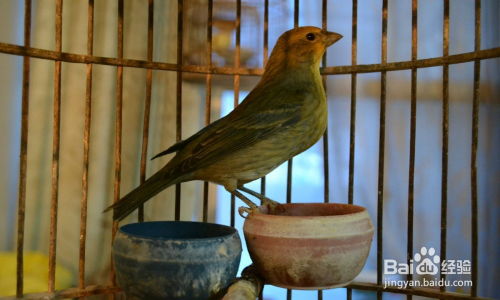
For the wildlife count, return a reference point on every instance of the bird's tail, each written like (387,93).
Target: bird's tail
(139,195)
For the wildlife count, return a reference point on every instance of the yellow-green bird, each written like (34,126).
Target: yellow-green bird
(285,114)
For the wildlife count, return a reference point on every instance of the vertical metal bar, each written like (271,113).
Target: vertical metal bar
(55,152)
(23,165)
(413,117)
(444,155)
(147,103)
(381,156)
(178,116)
(326,166)
(86,147)
(475,133)
(265,56)
(290,161)
(266,31)
(352,130)
(326,162)
(236,83)
(118,123)
(296,14)
(208,95)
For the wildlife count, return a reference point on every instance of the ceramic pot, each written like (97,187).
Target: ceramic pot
(175,260)
(309,245)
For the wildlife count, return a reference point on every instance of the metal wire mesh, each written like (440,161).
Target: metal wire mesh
(120,62)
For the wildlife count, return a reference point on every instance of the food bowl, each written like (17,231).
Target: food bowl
(309,245)
(175,260)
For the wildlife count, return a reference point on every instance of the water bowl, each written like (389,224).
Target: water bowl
(175,260)
(309,245)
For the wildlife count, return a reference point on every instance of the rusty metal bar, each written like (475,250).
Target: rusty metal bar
(413,118)
(70,293)
(473,163)
(352,129)
(326,162)
(265,57)
(337,70)
(147,104)
(381,156)
(178,104)
(208,95)
(296,13)
(56,127)
(118,125)
(444,155)
(23,155)
(266,31)
(362,286)
(326,165)
(236,85)
(352,137)
(86,147)
(290,161)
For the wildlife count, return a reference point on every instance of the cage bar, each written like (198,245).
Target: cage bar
(118,127)
(23,164)
(352,130)
(445,122)
(326,166)
(147,104)
(236,86)
(326,161)
(381,154)
(473,163)
(86,147)
(289,174)
(413,119)
(178,103)
(264,60)
(236,71)
(56,129)
(208,95)
(352,125)
(337,70)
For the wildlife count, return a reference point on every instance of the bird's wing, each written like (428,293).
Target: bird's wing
(181,144)
(240,131)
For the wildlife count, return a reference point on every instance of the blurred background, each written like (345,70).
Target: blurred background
(308,168)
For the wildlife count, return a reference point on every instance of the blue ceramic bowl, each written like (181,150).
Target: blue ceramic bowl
(175,260)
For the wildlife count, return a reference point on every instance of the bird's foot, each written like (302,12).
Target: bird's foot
(272,206)
(244,199)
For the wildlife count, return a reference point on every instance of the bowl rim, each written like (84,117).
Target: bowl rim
(230,231)
(260,213)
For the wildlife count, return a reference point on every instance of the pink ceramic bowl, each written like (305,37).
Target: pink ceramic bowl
(309,245)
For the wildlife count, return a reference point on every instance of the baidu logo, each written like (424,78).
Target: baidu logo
(427,262)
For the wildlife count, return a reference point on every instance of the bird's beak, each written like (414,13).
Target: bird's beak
(331,37)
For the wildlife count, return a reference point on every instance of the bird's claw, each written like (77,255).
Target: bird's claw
(271,205)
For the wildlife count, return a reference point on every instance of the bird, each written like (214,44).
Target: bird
(285,114)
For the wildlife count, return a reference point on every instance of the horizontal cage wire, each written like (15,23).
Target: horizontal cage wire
(238,71)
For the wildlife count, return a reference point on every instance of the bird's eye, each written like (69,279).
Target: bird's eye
(310,36)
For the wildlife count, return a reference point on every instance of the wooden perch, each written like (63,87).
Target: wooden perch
(247,287)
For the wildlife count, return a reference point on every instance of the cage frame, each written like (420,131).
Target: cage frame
(120,62)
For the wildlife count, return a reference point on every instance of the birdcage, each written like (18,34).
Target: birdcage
(92,89)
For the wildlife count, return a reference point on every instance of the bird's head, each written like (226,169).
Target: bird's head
(302,46)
